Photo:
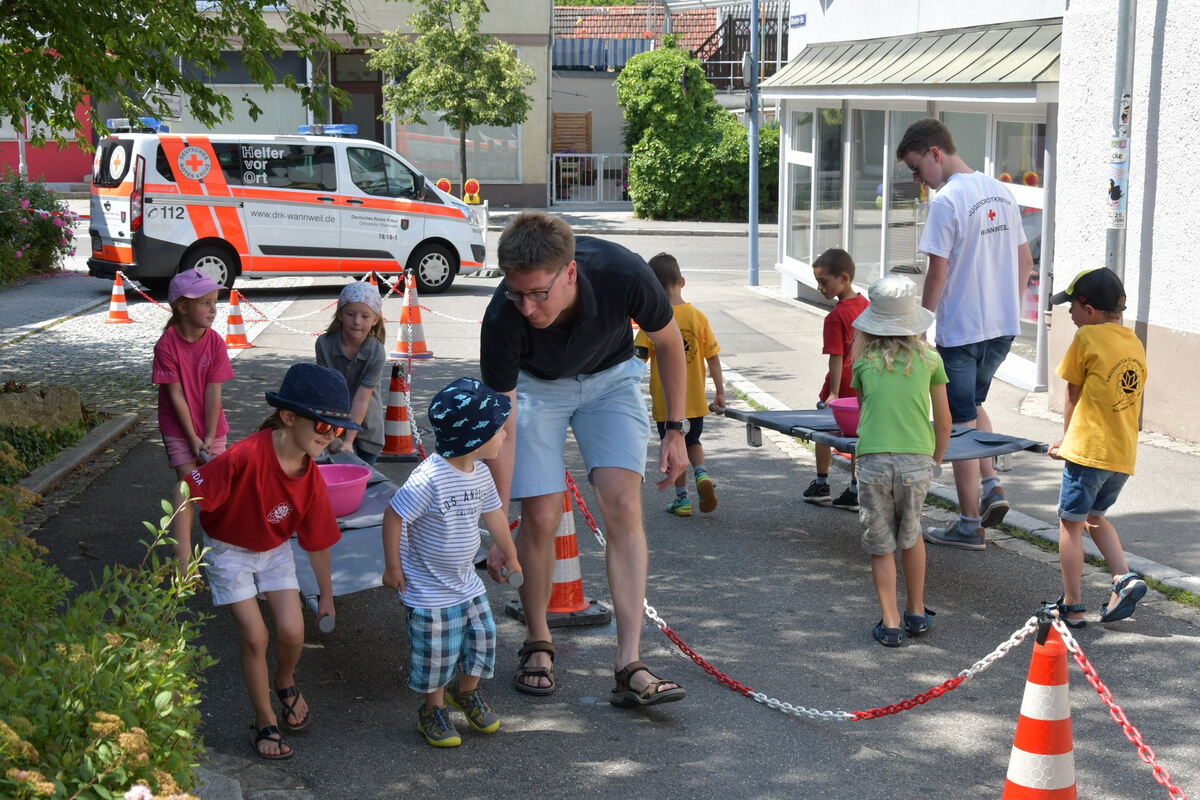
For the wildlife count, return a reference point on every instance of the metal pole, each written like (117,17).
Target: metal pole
(750,77)
(22,165)
(1118,160)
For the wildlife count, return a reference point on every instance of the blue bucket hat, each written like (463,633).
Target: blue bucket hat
(315,392)
(465,415)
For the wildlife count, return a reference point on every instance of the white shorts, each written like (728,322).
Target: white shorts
(236,574)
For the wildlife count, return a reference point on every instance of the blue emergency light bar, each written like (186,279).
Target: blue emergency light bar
(149,125)
(340,129)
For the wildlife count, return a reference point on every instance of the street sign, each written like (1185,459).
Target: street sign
(174,103)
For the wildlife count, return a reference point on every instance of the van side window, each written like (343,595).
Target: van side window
(375,172)
(268,165)
(163,165)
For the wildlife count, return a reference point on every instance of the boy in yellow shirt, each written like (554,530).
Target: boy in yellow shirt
(1105,371)
(700,347)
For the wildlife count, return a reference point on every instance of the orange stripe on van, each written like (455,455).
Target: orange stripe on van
(472,263)
(122,190)
(202,221)
(161,188)
(115,253)
(400,205)
(231,228)
(294,264)
(368,264)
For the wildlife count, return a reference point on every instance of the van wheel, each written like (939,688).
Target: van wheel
(220,264)
(435,267)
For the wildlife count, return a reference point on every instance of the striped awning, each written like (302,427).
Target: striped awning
(1018,53)
(598,54)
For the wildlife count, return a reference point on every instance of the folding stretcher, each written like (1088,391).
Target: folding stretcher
(817,426)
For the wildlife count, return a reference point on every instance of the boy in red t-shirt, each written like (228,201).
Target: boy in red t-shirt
(834,271)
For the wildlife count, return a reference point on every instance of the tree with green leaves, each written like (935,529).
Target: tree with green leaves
(450,69)
(53,55)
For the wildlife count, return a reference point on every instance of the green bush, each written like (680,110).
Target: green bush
(35,228)
(99,689)
(22,450)
(690,157)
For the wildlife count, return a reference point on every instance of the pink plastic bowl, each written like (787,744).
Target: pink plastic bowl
(347,484)
(845,414)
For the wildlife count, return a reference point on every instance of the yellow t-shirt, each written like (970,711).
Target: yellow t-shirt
(1109,363)
(699,344)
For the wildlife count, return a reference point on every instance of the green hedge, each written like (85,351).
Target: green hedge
(690,157)
(98,689)
(22,450)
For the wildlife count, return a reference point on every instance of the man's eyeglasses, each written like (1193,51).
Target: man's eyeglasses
(323,428)
(916,171)
(538,295)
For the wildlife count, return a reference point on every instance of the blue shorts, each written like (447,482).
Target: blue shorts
(695,428)
(605,410)
(443,639)
(1088,491)
(970,369)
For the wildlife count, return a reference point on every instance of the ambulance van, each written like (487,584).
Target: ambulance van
(265,206)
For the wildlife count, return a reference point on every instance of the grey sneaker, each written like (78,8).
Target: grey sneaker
(478,713)
(817,493)
(847,500)
(436,727)
(957,535)
(992,508)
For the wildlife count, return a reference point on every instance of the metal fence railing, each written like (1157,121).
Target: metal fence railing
(590,177)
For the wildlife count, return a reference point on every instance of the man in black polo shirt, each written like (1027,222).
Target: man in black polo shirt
(556,339)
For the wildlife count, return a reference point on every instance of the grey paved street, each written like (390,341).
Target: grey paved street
(773,591)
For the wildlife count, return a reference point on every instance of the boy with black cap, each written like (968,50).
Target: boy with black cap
(431,559)
(1105,371)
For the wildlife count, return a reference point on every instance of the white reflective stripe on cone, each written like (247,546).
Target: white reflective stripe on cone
(1046,702)
(1036,771)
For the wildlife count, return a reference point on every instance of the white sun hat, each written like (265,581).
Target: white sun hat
(894,310)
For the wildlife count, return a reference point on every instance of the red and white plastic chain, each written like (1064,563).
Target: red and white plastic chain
(408,365)
(137,287)
(1161,775)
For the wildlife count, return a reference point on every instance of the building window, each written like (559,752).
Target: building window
(493,153)
(800,226)
(802,131)
(1021,153)
(866,208)
(906,205)
(829,179)
(970,136)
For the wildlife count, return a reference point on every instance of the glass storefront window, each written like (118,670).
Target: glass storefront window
(866,209)
(492,153)
(829,179)
(802,130)
(1021,152)
(969,132)
(907,206)
(800,191)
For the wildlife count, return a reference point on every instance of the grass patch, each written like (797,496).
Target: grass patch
(22,450)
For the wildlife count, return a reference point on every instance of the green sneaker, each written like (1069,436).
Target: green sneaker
(680,507)
(478,713)
(708,492)
(436,727)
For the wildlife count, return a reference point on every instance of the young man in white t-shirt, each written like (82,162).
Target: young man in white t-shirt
(979,263)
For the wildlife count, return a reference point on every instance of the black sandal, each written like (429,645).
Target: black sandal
(525,671)
(289,709)
(1073,608)
(270,733)
(625,695)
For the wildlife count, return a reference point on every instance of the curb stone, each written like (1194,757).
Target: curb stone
(100,437)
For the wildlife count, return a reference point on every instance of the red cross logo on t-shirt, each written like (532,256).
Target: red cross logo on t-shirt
(991,215)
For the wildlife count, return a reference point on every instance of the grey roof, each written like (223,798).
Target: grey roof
(1025,52)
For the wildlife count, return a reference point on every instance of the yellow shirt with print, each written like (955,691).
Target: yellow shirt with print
(1108,362)
(699,344)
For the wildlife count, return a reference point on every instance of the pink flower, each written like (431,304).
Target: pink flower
(72,251)
(139,792)
(24,221)
(24,203)
(17,254)
(62,242)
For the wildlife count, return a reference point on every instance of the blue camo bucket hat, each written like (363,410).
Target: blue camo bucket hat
(465,415)
(315,392)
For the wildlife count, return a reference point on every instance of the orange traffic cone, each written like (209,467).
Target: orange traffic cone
(116,305)
(410,340)
(1042,764)
(371,278)
(397,429)
(567,607)
(235,333)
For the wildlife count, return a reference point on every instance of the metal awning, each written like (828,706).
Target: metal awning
(1009,59)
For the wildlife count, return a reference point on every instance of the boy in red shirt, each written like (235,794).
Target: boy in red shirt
(834,271)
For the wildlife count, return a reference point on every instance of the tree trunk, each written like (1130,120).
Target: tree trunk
(462,156)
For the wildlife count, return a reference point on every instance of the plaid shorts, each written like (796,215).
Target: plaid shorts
(443,639)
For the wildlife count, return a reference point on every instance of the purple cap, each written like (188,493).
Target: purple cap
(193,283)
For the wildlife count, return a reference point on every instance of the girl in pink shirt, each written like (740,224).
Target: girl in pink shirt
(190,364)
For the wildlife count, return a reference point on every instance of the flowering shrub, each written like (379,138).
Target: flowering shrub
(36,228)
(98,689)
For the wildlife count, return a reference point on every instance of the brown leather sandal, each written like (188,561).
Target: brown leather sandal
(625,696)
(525,671)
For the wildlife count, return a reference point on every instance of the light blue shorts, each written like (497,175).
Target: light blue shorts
(605,410)
(1088,491)
(461,637)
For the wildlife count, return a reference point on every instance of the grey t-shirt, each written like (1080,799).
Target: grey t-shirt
(365,369)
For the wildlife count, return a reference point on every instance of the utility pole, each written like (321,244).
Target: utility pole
(750,78)
(1118,159)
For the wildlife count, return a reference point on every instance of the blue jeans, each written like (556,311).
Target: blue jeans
(1088,491)
(970,369)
